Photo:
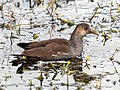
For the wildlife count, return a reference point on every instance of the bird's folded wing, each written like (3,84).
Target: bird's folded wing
(50,51)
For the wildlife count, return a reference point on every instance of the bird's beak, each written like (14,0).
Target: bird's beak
(94,32)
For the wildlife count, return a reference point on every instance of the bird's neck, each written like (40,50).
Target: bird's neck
(77,43)
(76,40)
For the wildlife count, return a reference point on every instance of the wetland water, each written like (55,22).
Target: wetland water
(101,55)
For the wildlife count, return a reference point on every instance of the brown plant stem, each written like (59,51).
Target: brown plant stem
(112,58)
(94,14)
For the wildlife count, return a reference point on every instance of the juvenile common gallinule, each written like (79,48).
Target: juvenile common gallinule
(55,49)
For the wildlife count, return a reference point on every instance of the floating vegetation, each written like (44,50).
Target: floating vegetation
(68,22)
(106,37)
(35,36)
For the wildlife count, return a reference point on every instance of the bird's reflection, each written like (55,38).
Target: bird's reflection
(61,66)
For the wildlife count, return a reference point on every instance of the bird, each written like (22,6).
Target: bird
(58,48)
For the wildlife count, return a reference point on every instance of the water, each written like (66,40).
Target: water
(101,75)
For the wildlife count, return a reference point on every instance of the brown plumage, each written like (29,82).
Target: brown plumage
(55,49)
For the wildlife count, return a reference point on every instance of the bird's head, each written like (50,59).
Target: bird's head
(84,29)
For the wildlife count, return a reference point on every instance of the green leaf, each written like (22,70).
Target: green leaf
(35,36)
